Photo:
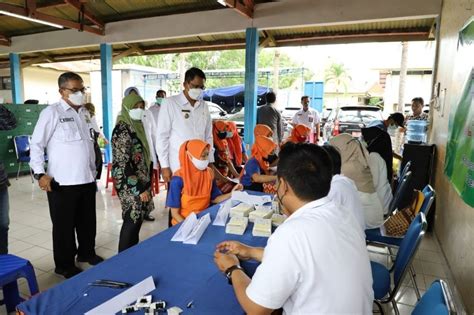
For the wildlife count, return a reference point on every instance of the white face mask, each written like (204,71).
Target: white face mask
(136,113)
(392,129)
(199,164)
(195,93)
(77,98)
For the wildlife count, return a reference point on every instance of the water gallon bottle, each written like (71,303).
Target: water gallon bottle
(416,131)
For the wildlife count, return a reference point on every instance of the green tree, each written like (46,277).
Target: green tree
(338,74)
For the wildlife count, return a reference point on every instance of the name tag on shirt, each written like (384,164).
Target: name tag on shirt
(67,119)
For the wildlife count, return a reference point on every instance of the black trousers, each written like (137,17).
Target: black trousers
(129,233)
(73,212)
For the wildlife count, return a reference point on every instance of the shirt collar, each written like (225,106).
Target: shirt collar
(184,101)
(66,106)
(308,207)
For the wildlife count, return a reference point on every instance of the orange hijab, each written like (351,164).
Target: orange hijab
(299,134)
(235,143)
(221,144)
(262,130)
(262,147)
(196,182)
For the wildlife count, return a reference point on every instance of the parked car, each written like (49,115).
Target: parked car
(216,111)
(350,119)
(289,112)
(239,119)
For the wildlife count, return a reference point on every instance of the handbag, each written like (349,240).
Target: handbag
(398,223)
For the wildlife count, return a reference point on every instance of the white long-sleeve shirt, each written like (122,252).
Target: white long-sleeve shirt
(178,122)
(155,111)
(344,193)
(66,136)
(378,168)
(150,131)
(309,118)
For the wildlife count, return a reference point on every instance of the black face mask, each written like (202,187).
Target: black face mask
(222,135)
(271,158)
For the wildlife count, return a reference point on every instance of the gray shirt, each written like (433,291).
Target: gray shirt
(270,116)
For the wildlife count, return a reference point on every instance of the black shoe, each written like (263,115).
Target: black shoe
(94,260)
(69,272)
(149,218)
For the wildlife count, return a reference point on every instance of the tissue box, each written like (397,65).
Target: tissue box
(278,219)
(262,227)
(241,210)
(237,225)
(261,213)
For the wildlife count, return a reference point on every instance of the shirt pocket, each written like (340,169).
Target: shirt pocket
(68,132)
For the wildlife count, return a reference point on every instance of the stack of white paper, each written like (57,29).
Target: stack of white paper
(244,197)
(260,214)
(275,206)
(237,225)
(192,229)
(278,219)
(262,227)
(241,210)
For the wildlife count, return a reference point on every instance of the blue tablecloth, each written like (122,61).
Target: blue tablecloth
(182,273)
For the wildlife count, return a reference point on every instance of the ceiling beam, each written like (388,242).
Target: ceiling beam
(33,13)
(133,49)
(87,14)
(40,59)
(68,23)
(269,40)
(246,8)
(5,40)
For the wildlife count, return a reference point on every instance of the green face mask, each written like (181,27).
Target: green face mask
(159,100)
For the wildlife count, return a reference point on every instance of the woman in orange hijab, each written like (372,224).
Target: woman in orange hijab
(257,167)
(192,188)
(262,130)
(299,134)
(223,157)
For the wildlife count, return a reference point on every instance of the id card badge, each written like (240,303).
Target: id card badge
(186,113)
(311,119)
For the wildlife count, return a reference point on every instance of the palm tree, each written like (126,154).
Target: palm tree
(339,75)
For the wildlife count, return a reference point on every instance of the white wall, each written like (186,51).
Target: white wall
(96,94)
(416,86)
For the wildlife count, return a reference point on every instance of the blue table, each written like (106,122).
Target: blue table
(182,273)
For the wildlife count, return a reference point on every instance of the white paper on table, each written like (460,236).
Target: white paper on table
(118,302)
(223,213)
(244,197)
(186,228)
(195,235)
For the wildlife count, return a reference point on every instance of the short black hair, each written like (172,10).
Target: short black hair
(160,91)
(398,118)
(307,169)
(418,100)
(335,158)
(68,76)
(270,97)
(192,73)
(303,97)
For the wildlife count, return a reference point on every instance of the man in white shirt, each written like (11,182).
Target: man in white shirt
(308,117)
(183,117)
(155,108)
(316,262)
(64,131)
(343,190)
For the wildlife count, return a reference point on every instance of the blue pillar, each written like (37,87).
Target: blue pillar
(16,79)
(106,79)
(251,82)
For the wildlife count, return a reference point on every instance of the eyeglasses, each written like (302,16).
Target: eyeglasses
(83,90)
(192,86)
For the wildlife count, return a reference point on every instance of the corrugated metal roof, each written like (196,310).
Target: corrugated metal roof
(389,30)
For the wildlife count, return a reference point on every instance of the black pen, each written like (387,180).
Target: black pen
(108,285)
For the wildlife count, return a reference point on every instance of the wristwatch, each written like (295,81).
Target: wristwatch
(228,272)
(38,176)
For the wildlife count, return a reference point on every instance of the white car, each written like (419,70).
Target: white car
(216,111)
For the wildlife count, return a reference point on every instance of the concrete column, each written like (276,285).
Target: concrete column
(251,83)
(16,79)
(106,82)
